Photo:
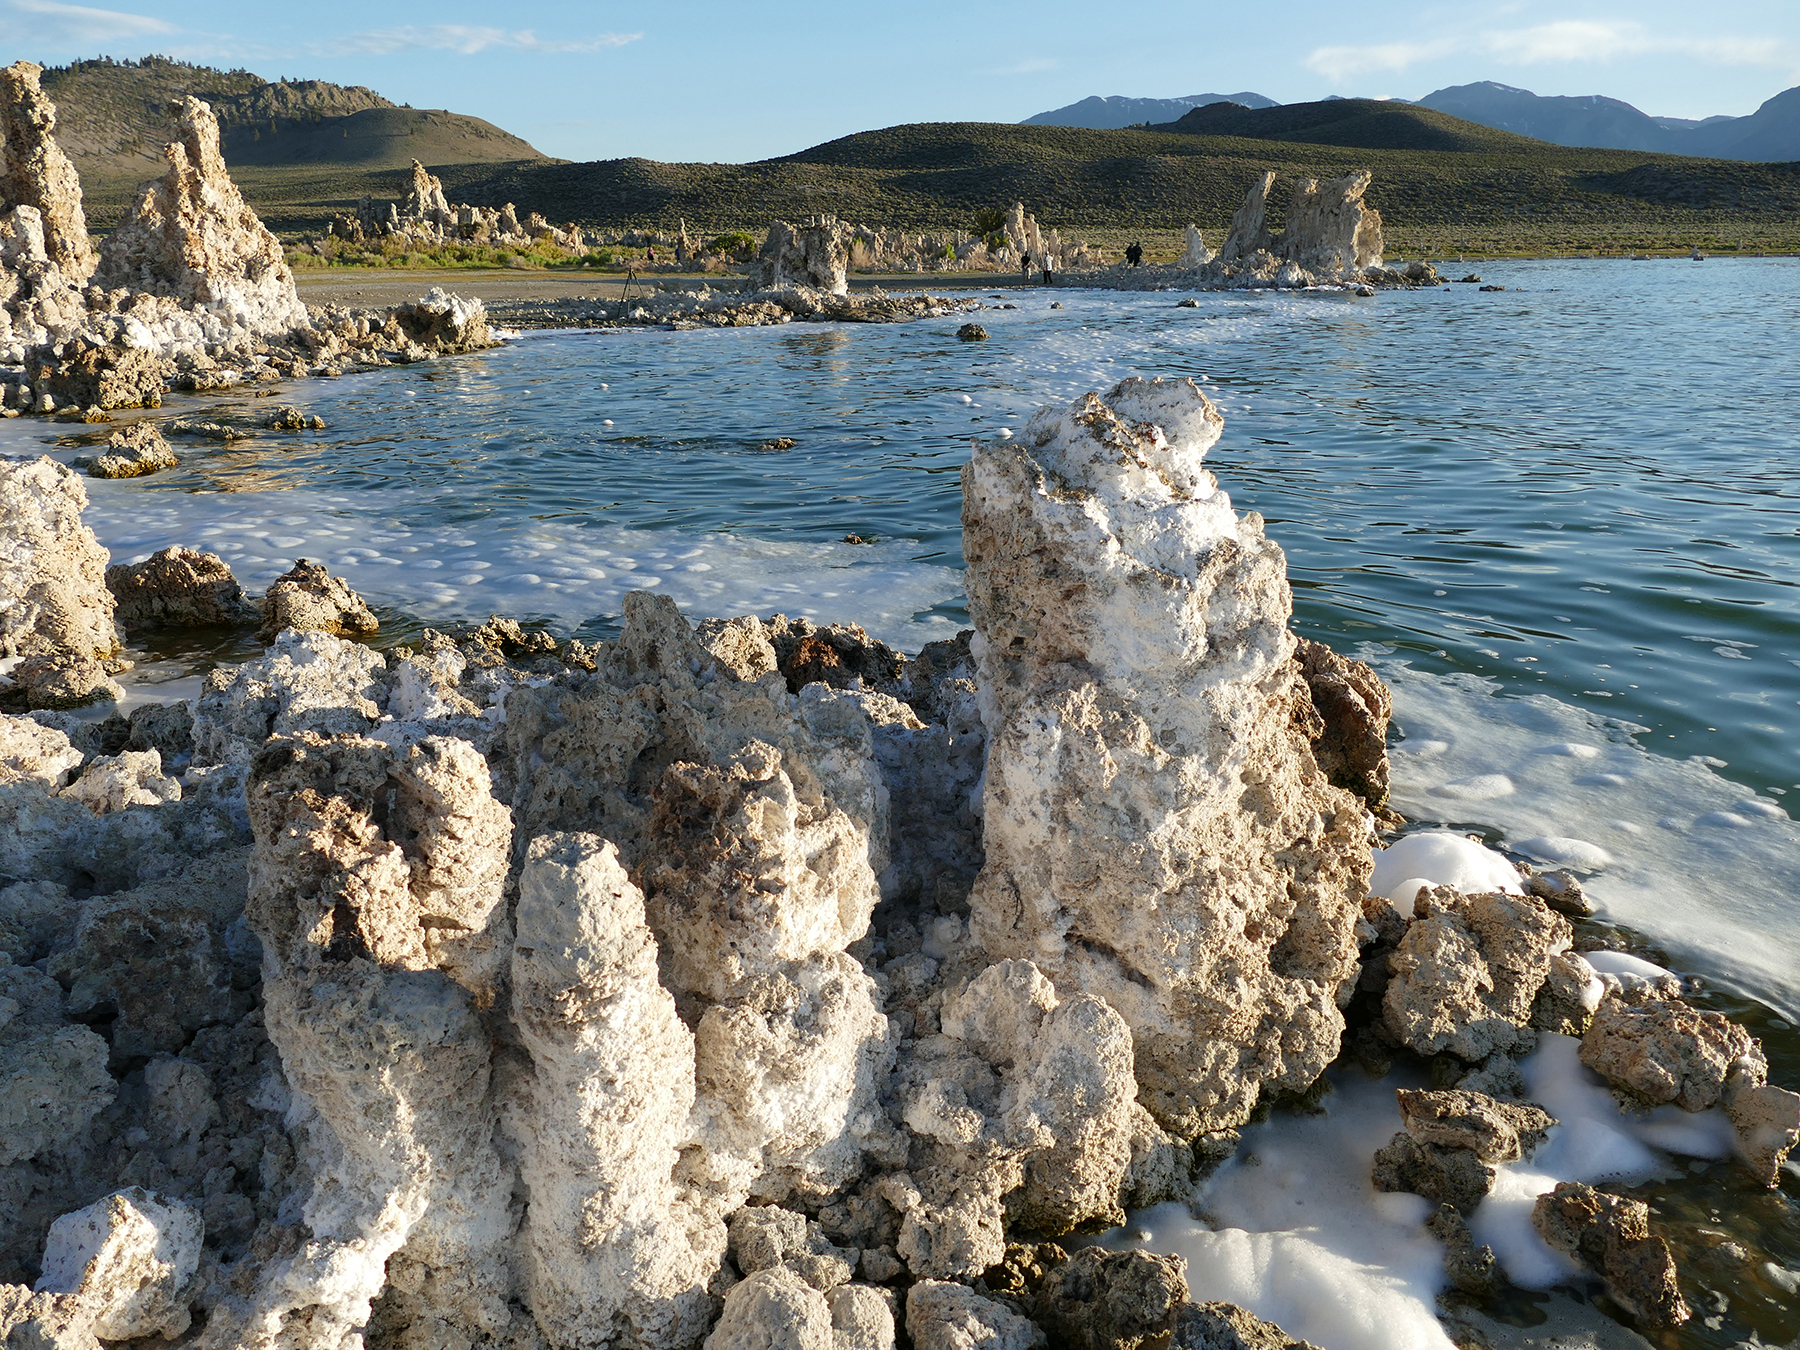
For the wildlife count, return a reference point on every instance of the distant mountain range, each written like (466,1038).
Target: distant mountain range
(1771,133)
(1106,114)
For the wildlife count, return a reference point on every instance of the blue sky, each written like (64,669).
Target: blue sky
(732,80)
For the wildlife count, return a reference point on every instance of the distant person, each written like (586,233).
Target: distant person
(1048,279)
(650,256)
(1134,255)
(1025,267)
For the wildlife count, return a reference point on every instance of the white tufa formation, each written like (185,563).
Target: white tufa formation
(1157,832)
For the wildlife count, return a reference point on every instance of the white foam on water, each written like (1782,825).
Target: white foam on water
(1593,1141)
(555,570)
(1439,858)
(1670,847)
(1300,1236)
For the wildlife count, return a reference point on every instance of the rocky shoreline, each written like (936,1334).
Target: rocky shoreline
(754,983)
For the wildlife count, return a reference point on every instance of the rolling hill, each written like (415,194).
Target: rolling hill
(111,123)
(1103,113)
(1370,124)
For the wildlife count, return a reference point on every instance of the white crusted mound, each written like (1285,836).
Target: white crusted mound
(1157,832)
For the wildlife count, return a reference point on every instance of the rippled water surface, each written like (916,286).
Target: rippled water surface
(1563,514)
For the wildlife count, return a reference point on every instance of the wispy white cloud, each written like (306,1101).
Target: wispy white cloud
(50,25)
(1566,41)
(1031,65)
(467,39)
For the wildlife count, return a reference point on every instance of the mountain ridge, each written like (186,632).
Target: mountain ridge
(1111,112)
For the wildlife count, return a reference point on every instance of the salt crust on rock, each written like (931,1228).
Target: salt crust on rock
(303,682)
(1155,836)
(190,236)
(129,1261)
(53,596)
(35,173)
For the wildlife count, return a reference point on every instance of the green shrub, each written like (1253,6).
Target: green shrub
(990,220)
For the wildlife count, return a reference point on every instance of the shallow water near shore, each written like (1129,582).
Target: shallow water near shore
(1562,518)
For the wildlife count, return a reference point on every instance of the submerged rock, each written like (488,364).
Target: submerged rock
(131,453)
(179,588)
(1152,837)
(1611,1237)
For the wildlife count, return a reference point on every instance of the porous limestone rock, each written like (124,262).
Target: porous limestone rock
(1331,232)
(1106,1300)
(1448,1176)
(616,1247)
(1664,1051)
(309,598)
(945,1316)
(129,1259)
(1225,1326)
(443,322)
(1154,836)
(773,1310)
(1353,706)
(33,753)
(1570,993)
(1249,233)
(815,255)
(1611,1236)
(190,236)
(53,1077)
(131,452)
(1023,1110)
(1495,1131)
(64,680)
(34,171)
(114,782)
(1767,1121)
(1194,251)
(53,596)
(1467,972)
(179,588)
(767,1235)
(862,1318)
(303,682)
(38,303)
(1469,1266)
(375,890)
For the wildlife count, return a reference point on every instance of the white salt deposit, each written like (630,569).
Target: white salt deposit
(1674,849)
(1440,858)
(555,570)
(1299,1235)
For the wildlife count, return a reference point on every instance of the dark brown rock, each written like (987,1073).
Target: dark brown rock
(1610,1235)
(179,588)
(1105,1300)
(1495,1131)
(1450,1176)
(1225,1326)
(1353,708)
(1469,1265)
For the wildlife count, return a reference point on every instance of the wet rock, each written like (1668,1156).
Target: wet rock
(815,255)
(1104,1300)
(131,453)
(1470,1266)
(34,171)
(1448,1176)
(1570,994)
(945,1316)
(1467,972)
(309,598)
(1562,892)
(1611,1237)
(53,596)
(1353,707)
(603,1115)
(971,332)
(1495,1131)
(1113,821)
(129,1260)
(101,376)
(286,417)
(1225,1326)
(179,588)
(64,681)
(773,1310)
(1767,1121)
(304,682)
(1664,1051)
(189,236)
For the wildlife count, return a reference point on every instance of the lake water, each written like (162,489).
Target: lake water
(1561,515)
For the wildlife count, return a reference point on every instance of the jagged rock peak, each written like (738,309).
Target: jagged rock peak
(1153,837)
(191,236)
(35,172)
